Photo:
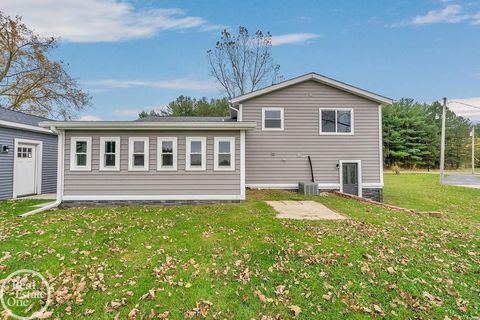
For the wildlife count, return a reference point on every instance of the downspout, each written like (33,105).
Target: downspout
(60,136)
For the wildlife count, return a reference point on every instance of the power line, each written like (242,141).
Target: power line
(466,104)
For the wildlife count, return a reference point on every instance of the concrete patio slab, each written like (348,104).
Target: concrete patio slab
(462,180)
(304,210)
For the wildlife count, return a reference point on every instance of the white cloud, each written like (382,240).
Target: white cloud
(450,14)
(466,107)
(291,38)
(173,84)
(100,20)
(453,13)
(89,118)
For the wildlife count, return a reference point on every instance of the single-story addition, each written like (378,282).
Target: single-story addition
(28,156)
(265,143)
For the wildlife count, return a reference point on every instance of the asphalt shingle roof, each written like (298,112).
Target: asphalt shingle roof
(20,117)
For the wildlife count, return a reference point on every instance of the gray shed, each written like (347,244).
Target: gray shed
(28,156)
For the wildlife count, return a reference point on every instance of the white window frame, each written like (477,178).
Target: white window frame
(103,140)
(216,151)
(160,166)
(352,122)
(188,141)
(282,118)
(73,154)
(145,166)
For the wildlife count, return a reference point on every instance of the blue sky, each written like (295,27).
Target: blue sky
(142,54)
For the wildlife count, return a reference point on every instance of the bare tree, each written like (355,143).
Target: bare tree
(242,63)
(29,80)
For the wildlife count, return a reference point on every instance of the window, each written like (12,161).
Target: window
(80,153)
(224,153)
(336,121)
(23,152)
(272,119)
(109,154)
(138,154)
(196,153)
(167,153)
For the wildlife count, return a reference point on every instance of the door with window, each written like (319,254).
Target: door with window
(350,178)
(25,170)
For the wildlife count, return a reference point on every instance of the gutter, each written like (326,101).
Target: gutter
(129,125)
(58,201)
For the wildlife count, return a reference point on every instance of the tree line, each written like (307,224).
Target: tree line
(411,135)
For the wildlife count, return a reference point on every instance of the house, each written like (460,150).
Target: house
(28,156)
(264,144)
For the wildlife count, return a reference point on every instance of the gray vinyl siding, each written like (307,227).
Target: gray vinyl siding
(49,160)
(152,182)
(280,157)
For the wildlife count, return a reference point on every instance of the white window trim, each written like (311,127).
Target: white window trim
(216,148)
(359,173)
(131,167)
(38,166)
(160,166)
(73,164)
(282,118)
(203,140)
(102,154)
(352,117)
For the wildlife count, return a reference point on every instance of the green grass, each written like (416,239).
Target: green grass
(248,264)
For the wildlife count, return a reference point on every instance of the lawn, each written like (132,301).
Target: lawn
(236,261)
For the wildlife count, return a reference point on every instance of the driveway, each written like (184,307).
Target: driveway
(462,180)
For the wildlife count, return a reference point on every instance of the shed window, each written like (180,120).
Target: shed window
(196,153)
(80,152)
(336,121)
(109,153)
(138,154)
(167,153)
(224,153)
(272,119)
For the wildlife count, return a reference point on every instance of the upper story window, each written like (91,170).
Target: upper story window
(224,153)
(109,154)
(138,154)
(167,153)
(80,153)
(336,121)
(272,119)
(196,153)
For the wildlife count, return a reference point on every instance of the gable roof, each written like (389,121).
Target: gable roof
(318,78)
(21,121)
(20,117)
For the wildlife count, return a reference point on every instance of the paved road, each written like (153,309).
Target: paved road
(462,179)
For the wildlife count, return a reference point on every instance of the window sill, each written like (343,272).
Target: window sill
(80,169)
(336,134)
(272,129)
(167,169)
(138,169)
(107,169)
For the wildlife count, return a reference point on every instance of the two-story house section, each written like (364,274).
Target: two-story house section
(339,126)
(265,143)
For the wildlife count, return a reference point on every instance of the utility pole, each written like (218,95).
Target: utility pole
(472,134)
(442,143)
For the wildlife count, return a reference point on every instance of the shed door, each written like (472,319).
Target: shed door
(25,170)
(350,178)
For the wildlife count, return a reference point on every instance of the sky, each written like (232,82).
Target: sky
(140,55)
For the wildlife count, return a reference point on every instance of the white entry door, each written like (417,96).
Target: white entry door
(25,170)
